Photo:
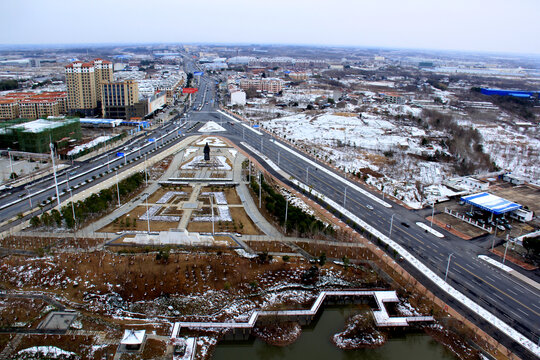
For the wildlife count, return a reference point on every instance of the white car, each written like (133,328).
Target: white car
(369,207)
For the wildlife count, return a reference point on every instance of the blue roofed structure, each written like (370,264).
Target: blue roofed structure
(514,93)
(492,203)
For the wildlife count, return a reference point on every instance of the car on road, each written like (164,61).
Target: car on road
(405,224)
(369,207)
(500,227)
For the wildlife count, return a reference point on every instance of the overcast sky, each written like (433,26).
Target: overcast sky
(475,25)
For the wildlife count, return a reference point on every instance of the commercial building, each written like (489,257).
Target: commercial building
(118,97)
(272,85)
(35,136)
(147,106)
(83,82)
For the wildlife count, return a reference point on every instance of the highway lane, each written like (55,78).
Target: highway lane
(466,272)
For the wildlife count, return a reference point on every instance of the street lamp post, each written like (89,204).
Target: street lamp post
(447,266)
(286,212)
(29,198)
(147,215)
(145,172)
(260,189)
(117,188)
(54,173)
(432,213)
(505,248)
(212,209)
(391,223)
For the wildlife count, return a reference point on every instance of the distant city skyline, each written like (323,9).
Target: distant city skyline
(473,25)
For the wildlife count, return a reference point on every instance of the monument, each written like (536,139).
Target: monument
(206,152)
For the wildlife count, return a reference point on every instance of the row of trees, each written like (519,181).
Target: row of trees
(276,205)
(94,205)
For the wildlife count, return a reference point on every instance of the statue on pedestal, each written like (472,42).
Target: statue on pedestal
(206,152)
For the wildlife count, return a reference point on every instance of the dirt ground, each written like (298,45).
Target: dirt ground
(459,225)
(230,193)
(162,191)
(35,243)
(24,311)
(526,195)
(333,251)
(269,246)
(241,223)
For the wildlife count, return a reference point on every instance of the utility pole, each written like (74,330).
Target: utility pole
(54,173)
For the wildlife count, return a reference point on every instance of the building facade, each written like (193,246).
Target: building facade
(83,82)
(272,85)
(117,97)
(30,105)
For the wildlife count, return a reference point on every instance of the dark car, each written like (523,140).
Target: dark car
(405,224)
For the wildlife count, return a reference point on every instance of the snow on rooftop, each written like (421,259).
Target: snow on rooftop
(133,337)
(38,125)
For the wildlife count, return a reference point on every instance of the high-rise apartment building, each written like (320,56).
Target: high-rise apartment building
(84,81)
(117,97)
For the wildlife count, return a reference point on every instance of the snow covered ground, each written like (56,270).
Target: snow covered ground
(211,126)
(352,144)
(77,149)
(515,148)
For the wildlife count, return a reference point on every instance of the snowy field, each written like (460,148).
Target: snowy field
(514,148)
(100,139)
(353,144)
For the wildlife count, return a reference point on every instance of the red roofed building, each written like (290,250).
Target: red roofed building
(30,105)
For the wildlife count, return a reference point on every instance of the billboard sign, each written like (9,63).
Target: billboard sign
(189,90)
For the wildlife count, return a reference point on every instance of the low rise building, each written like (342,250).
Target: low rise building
(31,105)
(238,97)
(272,85)
(35,136)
